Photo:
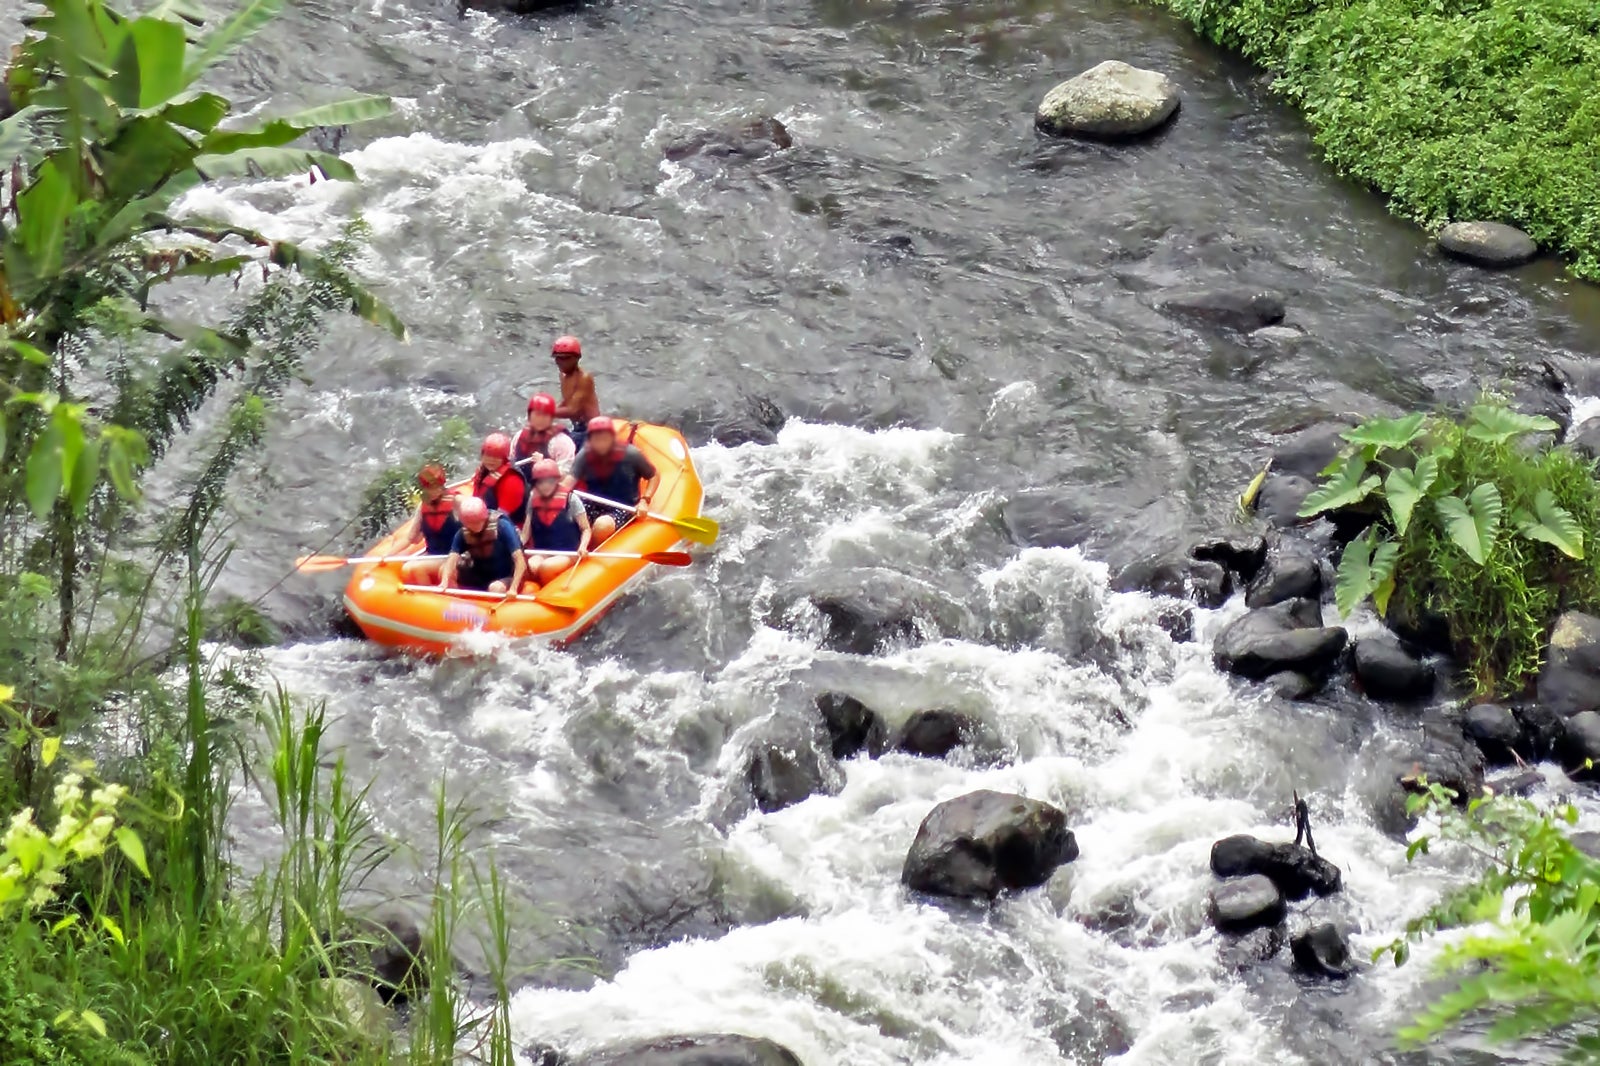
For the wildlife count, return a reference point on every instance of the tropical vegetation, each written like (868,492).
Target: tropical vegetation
(127,934)
(1483,522)
(1482,110)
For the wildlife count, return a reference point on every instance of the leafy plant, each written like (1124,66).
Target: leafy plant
(1532,960)
(1439,493)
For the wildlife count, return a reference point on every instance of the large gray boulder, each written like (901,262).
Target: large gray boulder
(709,1049)
(984,843)
(1570,680)
(1241,904)
(1287,636)
(1110,101)
(1490,244)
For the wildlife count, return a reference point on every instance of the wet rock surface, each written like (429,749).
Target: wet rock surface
(1322,951)
(1224,309)
(1496,732)
(1569,682)
(1289,572)
(720,1049)
(983,843)
(1110,101)
(852,726)
(1388,671)
(1490,244)
(1280,638)
(1241,904)
(1293,868)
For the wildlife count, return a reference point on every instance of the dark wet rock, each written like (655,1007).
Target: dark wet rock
(1570,679)
(1239,310)
(1241,552)
(753,140)
(935,734)
(1118,521)
(1271,640)
(1322,951)
(1243,951)
(1586,438)
(1307,452)
(1516,783)
(782,774)
(1496,731)
(1288,573)
(395,960)
(711,1049)
(544,1055)
(731,420)
(866,609)
(1110,101)
(1241,904)
(1542,730)
(1204,582)
(1292,868)
(1084,1027)
(1387,671)
(1177,622)
(1425,630)
(1281,498)
(513,7)
(1444,756)
(852,726)
(1293,686)
(1572,376)
(983,843)
(1491,244)
(1580,747)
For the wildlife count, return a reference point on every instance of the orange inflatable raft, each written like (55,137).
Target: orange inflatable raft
(432,623)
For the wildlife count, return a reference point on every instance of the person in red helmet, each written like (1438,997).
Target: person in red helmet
(486,555)
(541,438)
(557,521)
(619,472)
(578,400)
(435,524)
(499,484)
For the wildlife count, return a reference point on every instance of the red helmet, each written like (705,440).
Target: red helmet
(474,513)
(602,424)
(542,402)
(498,445)
(546,468)
(567,345)
(431,475)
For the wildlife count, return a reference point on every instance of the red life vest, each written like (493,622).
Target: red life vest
(480,545)
(531,441)
(439,523)
(491,489)
(551,526)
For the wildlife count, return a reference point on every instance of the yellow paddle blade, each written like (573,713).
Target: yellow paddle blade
(699,530)
(318,564)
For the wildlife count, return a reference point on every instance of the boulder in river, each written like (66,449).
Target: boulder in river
(983,843)
(1497,733)
(781,775)
(392,957)
(1241,904)
(1490,244)
(1580,748)
(1307,451)
(705,1049)
(867,609)
(852,726)
(1281,498)
(1201,581)
(752,140)
(935,734)
(1570,679)
(1110,101)
(1388,671)
(1586,438)
(1289,572)
(1294,869)
(1283,637)
(1322,951)
(1241,552)
(512,7)
(1238,310)
(1543,729)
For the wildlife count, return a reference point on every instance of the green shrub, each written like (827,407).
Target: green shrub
(1476,521)
(1456,109)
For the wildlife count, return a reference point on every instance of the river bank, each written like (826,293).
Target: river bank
(1459,111)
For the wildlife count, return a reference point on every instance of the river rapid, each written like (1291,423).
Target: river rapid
(921,342)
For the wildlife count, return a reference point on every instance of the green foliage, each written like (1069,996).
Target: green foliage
(1439,541)
(392,495)
(1533,957)
(1456,109)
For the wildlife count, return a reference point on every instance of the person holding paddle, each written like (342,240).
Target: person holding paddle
(486,555)
(610,469)
(556,522)
(435,524)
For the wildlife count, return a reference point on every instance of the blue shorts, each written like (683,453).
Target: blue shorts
(578,434)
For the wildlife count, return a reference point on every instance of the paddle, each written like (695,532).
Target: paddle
(699,530)
(317,564)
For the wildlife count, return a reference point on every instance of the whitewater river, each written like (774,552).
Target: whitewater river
(922,341)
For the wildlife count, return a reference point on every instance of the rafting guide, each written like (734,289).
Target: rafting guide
(551,526)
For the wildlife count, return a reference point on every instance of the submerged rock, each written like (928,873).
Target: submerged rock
(1496,732)
(512,7)
(1279,638)
(983,843)
(710,1049)
(1242,553)
(752,140)
(1570,679)
(935,734)
(1110,101)
(1292,868)
(852,726)
(781,775)
(867,609)
(1490,244)
(1205,582)
(1388,672)
(1288,573)
(1242,311)
(1293,686)
(1241,904)
(1322,951)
